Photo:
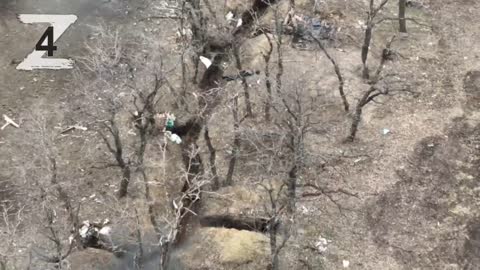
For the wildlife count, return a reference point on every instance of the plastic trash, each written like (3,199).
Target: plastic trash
(386,131)
(176,139)
(170,123)
(207,62)
(173,137)
(229,16)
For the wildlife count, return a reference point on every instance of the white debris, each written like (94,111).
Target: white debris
(92,196)
(9,122)
(175,205)
(84,229)
(345,263)
(105,230)
(229,16)
(386,131)
(70,239)
(173,137)
(207,62)
(239,22)
(321,244)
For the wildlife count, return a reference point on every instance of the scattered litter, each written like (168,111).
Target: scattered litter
(431,145)
(92,196)
(70,128)
(345,263)
(9,121)
(239,22)
(84,229)
(131,132)
(304,209)
(386,131)
(173,137)
(307,26)
(229,16)
(168,126)
(207,62)
(322,244)
(105,230)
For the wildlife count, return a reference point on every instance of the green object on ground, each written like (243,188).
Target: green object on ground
(170,123)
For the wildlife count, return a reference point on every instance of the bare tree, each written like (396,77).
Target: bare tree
(116,149)
(11,226)
(213,157)
(238,64)
(373,91)
(268,82)
(236,142)
(341,81)
(402,6)
(275,210)
(369,25)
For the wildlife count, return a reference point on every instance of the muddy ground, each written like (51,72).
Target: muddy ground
(417,187)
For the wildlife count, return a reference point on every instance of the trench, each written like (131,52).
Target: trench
(192,129)
(256,224)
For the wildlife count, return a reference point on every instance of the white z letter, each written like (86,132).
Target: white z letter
(60,23)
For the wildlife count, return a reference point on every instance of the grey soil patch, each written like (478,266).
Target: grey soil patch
(421,218)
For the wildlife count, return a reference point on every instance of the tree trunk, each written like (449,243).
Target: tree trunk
(341,81)
(213,156)
(238,64)
(355,122)
(122,192)
(236,144)
(273,247)
(292,188)
(401,15)
(366,48)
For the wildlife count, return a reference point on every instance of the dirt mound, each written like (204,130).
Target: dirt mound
(90,259)
(216,248)
(421,218)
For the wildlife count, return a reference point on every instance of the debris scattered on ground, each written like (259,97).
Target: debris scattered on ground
(386,131)
(173,137)
(90,232)
(131,132)
(306,26)
(9,122)
(345,263)
(229,16)
(239,22)
(207,62)
(322,244)
(70,128)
